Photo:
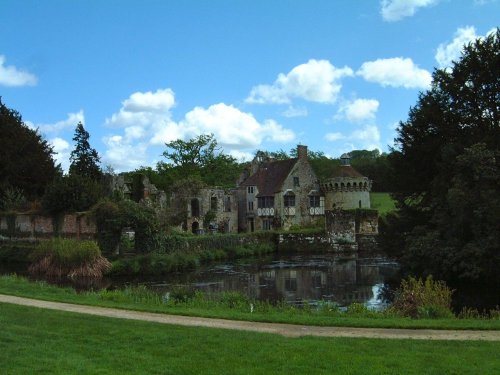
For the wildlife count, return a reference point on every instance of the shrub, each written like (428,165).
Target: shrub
(416,298)
(67,257)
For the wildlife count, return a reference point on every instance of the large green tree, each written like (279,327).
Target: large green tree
(200,158)
(26,159)
(446,175)
(84,159)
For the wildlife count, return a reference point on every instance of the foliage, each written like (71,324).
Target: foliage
(12,199)
(423,299)
(84,159)
(200,158)
(68,257)
(373,165)
(71,193)
(26,159)
(111,217)
(446,175)
(184,256)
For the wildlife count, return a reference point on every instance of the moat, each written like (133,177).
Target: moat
(289,277)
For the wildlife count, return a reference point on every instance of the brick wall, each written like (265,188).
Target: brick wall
(39,226)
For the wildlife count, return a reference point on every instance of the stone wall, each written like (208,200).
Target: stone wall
(38,226)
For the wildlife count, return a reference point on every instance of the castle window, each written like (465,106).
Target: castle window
(296,181)
(265,202)
(250,190)
(314,201)
(267,224)
(289,199)
(250,206)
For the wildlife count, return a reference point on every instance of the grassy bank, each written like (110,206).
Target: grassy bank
(382,202)
(232,306)
(162,264)
(63,343)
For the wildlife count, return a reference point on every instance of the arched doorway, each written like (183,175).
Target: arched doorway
(195,227)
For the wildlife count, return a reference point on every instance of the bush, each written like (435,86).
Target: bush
(423,299)
(67,257)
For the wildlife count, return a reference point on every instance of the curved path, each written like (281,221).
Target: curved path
(289,330)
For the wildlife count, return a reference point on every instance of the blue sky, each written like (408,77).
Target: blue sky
(333,75)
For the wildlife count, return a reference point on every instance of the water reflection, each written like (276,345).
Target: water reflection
(294,278)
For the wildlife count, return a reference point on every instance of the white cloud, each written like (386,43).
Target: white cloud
(11,76)
(160,101)
(334,136)
(69,123)
(358,110)
(146,122)
(242,156)
(395,10)
(295,112)
(232,128)
(123,155)
(62,152)
(315,81)
(396,72)
(144,109)
(447,53)
(367,138)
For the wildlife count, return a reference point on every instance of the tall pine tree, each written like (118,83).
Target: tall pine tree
(84,159)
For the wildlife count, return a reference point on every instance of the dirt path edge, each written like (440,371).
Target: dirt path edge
(288,330)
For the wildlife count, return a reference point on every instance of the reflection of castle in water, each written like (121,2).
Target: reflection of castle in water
(344,281)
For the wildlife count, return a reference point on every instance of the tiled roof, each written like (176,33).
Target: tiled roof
(346,171)
(270,176)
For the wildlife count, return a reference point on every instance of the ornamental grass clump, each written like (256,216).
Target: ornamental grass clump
(420,299)
(60,257)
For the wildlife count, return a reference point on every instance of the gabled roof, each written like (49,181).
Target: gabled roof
(270,176)
(346,171)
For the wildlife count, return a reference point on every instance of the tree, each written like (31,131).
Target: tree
(199,158)
(26,159)
(84,159)
(446,175)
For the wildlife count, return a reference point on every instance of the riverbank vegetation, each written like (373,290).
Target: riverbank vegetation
(62,343)
(60,257)
(231,305)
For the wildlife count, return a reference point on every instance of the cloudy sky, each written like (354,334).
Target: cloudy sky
(333,75)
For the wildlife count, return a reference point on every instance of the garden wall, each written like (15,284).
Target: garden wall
(33,226)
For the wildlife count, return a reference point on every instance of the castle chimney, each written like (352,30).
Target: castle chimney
(302,152)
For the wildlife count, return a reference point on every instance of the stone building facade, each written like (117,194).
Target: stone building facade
(279,193)
(213,210)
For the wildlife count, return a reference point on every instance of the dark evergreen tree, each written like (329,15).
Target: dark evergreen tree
(26,159)
(84,159)
(446,173)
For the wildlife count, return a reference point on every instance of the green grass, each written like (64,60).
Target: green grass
(382,202)
(232,306)
(38,341)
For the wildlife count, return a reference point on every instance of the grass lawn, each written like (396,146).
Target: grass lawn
(143,300)
(382,202)
(38,341)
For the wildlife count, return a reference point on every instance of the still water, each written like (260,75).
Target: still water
(293,278)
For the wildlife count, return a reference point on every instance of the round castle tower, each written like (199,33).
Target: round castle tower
(347,188)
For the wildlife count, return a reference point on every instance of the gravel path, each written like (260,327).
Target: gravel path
(288,330)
